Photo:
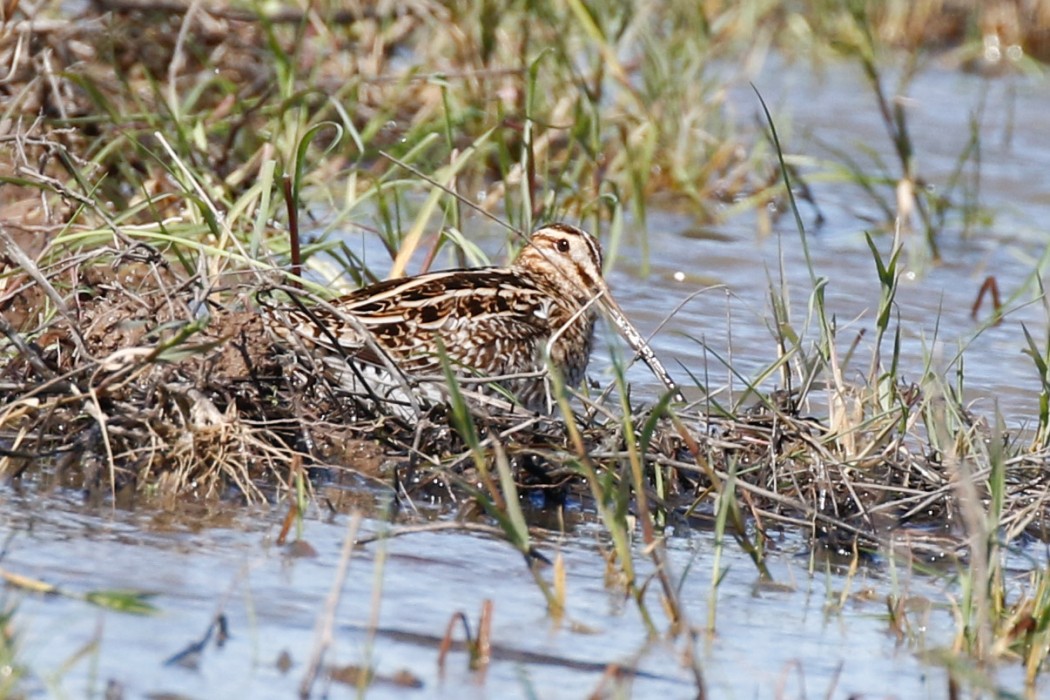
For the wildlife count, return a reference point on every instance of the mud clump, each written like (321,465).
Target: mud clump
(141,379)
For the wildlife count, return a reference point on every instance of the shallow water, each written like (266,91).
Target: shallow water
(935,299)
(790,634)
(766,638)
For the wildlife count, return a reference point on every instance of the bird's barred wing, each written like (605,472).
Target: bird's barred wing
(485,321)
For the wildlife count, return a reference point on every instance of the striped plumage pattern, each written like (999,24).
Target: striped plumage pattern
(494,326)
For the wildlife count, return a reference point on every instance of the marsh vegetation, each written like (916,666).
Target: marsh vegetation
(168,165)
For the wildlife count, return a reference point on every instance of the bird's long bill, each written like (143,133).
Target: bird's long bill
(636,341)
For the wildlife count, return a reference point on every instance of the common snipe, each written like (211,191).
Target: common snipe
(495,326)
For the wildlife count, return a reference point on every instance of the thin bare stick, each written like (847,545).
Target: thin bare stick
(93,407)
(178,58)
(293,231)
(30,267)
(30,352)
(325,624)
(449,191)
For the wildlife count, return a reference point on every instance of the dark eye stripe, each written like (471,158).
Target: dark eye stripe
(585,278)
(596,251)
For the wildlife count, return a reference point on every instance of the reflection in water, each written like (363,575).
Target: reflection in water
(224,560)
(765,635)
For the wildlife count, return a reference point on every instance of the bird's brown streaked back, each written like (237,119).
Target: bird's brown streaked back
(495,323)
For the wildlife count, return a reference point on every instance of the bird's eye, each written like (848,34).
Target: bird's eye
(562,245)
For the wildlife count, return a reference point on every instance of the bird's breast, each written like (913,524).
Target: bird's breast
(570,340)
